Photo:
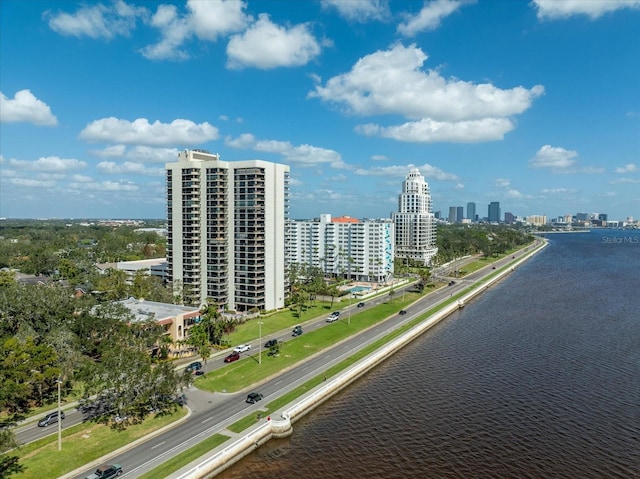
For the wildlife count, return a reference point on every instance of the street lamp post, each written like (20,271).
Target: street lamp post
(260,342)
(59,418)
(350,304)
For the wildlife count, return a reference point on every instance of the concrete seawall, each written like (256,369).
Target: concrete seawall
(221,459)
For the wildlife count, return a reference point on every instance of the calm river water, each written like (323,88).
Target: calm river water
(538,378)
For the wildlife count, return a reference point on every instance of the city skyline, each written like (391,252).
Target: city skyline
(530,104)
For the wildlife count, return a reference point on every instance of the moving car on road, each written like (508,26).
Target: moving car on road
(333,317)
(297,331)
(193,367)
(402,312)
(271,343)
(253,398)
(106,471)
(232,357)
(242,348)
(50,418)
(360,305)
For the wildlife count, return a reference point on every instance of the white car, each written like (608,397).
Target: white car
(332,318)
(242,348)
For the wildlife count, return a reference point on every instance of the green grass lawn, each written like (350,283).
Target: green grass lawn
(180,460)
(238,375)
(82,444)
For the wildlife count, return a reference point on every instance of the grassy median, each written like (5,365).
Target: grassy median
(82,444)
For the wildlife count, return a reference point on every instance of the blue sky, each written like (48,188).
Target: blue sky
(532,104)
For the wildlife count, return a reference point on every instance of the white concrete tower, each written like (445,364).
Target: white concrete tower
(415,227)
(226,225)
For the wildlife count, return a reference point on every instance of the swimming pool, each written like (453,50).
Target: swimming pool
(359,289)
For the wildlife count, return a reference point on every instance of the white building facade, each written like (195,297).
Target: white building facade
(343,247)
(226,230)
(415,226)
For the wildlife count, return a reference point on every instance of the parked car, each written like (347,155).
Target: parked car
(402,312)
(50,418)
(271,343)
(242,348)
(232,357)
(297,331)
(193,367)
(253,398)
(106,471)
(360,305)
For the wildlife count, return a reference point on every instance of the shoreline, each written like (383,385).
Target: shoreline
(224,457)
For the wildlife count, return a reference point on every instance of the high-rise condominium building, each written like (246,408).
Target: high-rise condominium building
(226,225)
(414,221)
(343,247)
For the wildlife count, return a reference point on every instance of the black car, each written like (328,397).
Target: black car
(402,312)
(253,398)
(194,367)
(360,305)
(297,331)
(271,343)
(106,471)
(50,418)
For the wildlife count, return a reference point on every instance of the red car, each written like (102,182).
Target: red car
(232,357)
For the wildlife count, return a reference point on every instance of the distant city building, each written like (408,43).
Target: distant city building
(343,247)
(415,227)
(582,216)
(494,212)
(226,228)
(471,211)
(452,214)
(437,214)
(459,214)
(537,220)
(509,218)
(603,217)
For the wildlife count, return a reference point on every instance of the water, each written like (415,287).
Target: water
(538,378)
(359,289)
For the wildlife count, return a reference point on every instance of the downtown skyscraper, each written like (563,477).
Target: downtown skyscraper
(415,227)
(226,230)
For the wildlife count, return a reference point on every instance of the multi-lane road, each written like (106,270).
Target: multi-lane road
(212,412)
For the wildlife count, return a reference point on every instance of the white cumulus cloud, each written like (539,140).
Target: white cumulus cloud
(25,107)
(393,82)
(97,21)
(128,167)
(140,131)
(266,45)
(31,183)
(628,168)
(400,171)
(553,157)
(429,131)
(359,10)
(555,9)
(301,155)
(429,17)
(49,164)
